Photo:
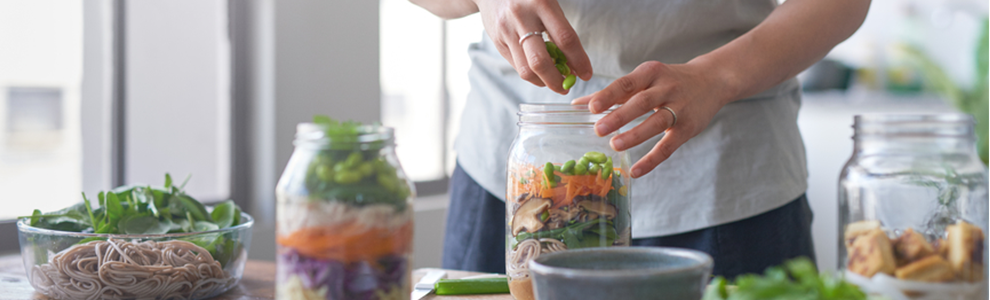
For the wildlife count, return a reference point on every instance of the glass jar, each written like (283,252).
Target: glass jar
(344,216)
(913,208)
(566,189)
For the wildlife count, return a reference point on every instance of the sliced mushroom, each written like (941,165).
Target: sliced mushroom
(527,217)
(597,207)
(559,217)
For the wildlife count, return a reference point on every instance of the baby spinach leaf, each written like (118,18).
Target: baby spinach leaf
(224,213)
(185,205)
(113,205)
(204,226)
(35,217)
(89,209)
(168,181)
(141,224)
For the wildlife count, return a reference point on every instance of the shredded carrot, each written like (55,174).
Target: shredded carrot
(570,186)
(349,242)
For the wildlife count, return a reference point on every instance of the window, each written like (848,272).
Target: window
(96,94)
(41,61)
(424,83)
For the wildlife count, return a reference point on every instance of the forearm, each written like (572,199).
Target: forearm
(793,37)
(448,9)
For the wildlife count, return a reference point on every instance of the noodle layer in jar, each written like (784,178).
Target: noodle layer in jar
(567,189)
(345,219)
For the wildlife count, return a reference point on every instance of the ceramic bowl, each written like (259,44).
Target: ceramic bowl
(621,273)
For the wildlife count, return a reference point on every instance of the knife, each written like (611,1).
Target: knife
(425,285)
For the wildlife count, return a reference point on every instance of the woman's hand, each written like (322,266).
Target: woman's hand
(691,91)
(506,21)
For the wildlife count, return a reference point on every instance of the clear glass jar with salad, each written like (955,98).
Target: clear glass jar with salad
(913,208)
(345,218)
(566,189)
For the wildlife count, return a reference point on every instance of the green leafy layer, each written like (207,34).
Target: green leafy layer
(148,210)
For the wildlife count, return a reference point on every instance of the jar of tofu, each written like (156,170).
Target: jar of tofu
(913,208)
(566,189)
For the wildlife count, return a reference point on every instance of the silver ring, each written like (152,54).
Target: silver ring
(671,113)
(529,34)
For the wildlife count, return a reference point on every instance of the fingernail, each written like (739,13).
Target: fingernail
(599,107)
(636,172)
(602,129)
(618,144)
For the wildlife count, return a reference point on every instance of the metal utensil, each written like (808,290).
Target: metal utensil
(425,285)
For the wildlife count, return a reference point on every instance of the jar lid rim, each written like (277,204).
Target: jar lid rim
(366,133)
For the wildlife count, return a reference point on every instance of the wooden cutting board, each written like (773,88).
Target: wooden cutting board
(258,282)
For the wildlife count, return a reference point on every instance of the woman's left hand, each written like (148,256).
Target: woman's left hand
(694,93)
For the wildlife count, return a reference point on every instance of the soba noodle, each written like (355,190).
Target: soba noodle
(116,269)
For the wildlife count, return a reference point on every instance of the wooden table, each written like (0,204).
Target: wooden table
(258,282)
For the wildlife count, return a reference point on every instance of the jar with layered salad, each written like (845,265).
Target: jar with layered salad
(344,215)
(566,189)
(913,208)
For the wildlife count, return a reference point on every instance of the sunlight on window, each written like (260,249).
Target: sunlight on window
(40,77)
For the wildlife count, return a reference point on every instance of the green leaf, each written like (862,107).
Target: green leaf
(141,224)
(102,199)
(224,213)
(184,205)
(89,209)
(323,120)
(168,181)
(184,182)
(204,226)
(113,205)
(35,217)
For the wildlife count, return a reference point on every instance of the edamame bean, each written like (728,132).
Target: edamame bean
(553,50)
(347,177)
(563,69)
(324,172)
(353,160)
(583,161)
(606,170)
(560,56)
(569,81)
(596,157)
(387,182)
(548,171)
(581,169)
(568,167)
(594,169)
(556,168)
(366,169)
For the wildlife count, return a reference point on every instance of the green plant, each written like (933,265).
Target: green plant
(971,100)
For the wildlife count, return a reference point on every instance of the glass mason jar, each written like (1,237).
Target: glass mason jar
(566,189)
(345,217)
(913,208)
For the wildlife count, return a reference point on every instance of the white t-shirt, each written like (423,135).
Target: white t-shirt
(749,160)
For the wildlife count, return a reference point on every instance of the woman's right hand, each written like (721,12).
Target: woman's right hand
(506,21)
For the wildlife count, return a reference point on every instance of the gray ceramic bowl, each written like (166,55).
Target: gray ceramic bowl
(621,273)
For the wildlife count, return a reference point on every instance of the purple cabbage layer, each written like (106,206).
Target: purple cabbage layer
(357,280)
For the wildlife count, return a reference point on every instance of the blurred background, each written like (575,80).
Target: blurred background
(100,93)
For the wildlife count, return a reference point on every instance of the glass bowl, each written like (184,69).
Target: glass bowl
(74,265)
